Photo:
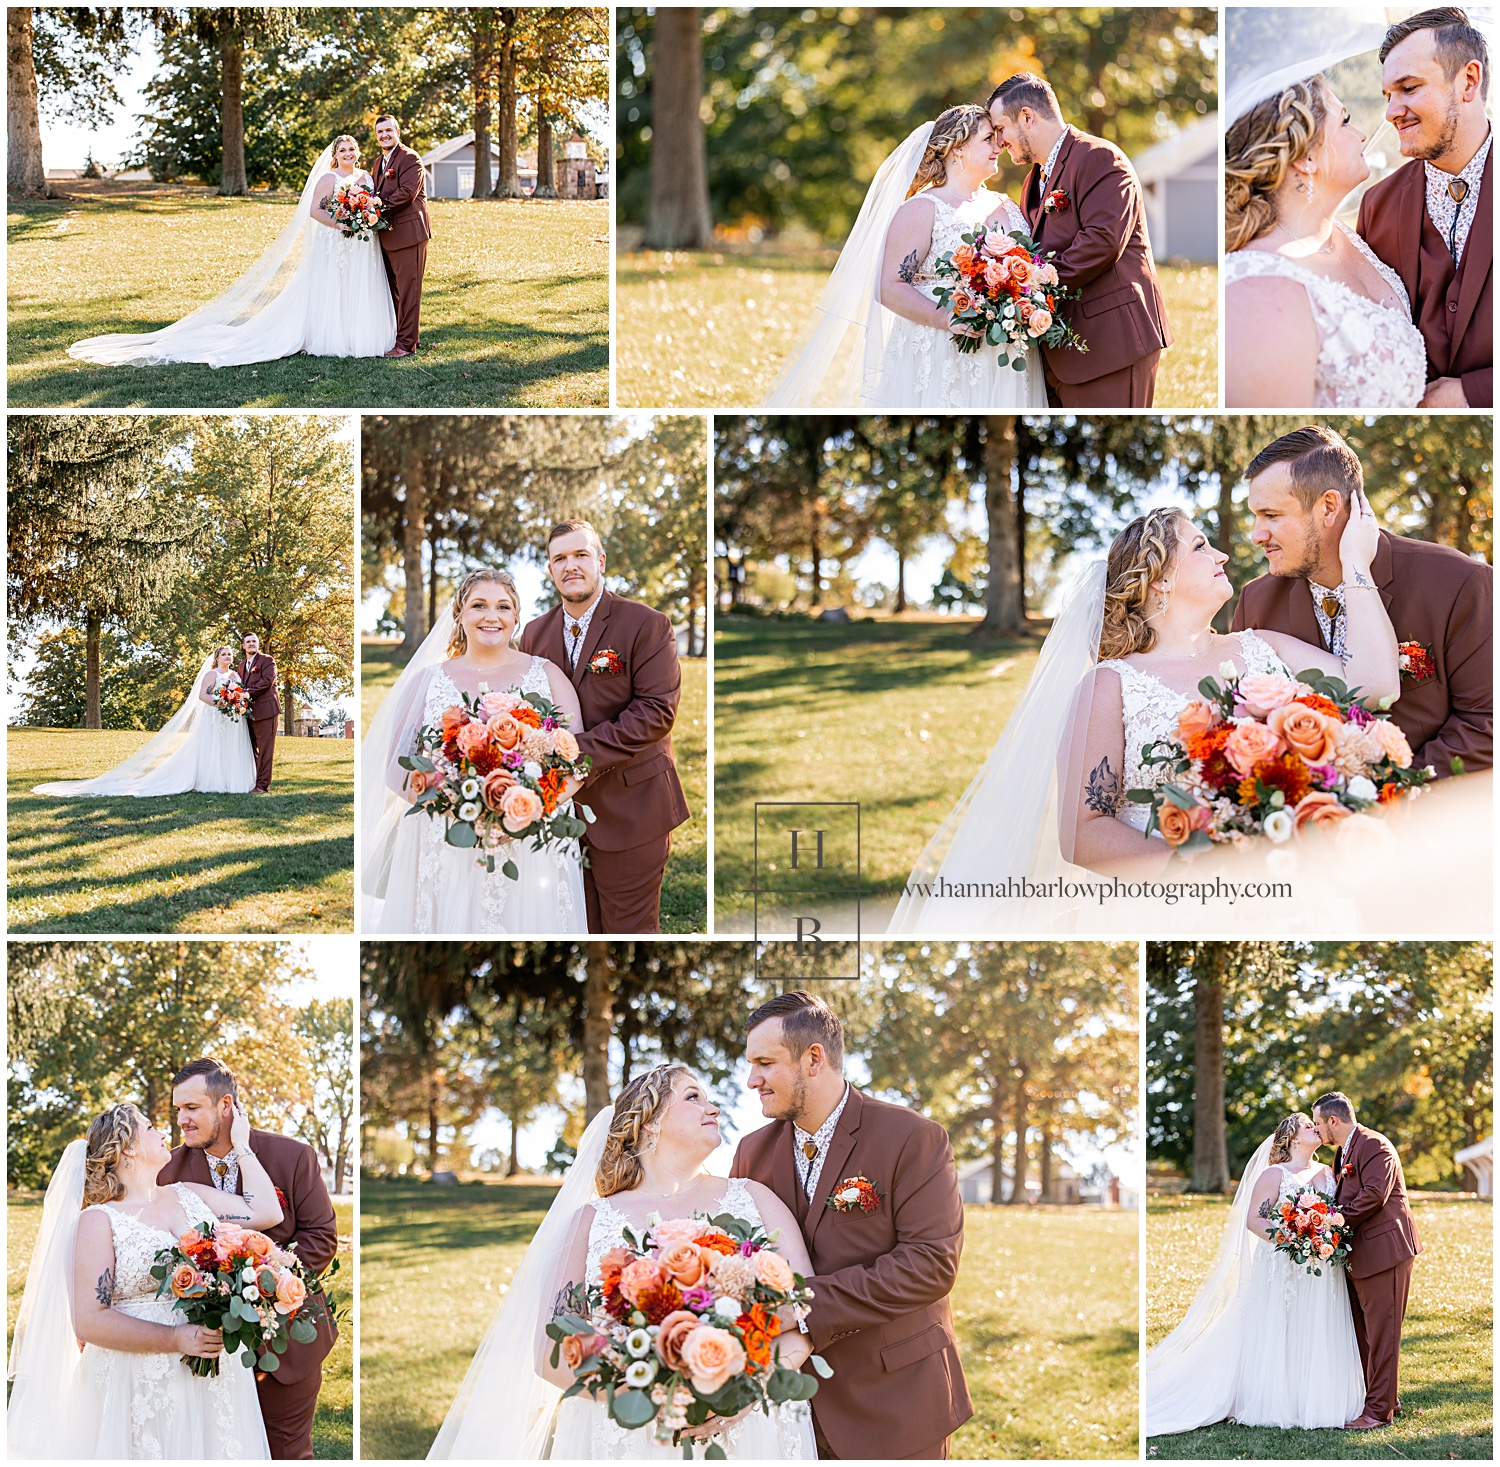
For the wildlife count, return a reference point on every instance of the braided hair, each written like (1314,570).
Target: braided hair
(1260,147)
(108,1138)
(1285,1135)
(952,130)
(1140,555)
(458,641)
(641,1102)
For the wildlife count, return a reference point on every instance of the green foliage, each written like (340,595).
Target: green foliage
(140,686)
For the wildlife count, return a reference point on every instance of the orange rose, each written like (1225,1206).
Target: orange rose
(1177,825)
(566,744)
(716,1241)
(184,1279)
(505,731)
(291,1292)
(1197,718)
(1249,744)
(416,782)
(772,1270)
(519,808)
(963,255)
(1390,738)
(454,719)
(578,1348)
(1320,808)
(683,1263)
(1307,732)
(675,1328)
(639,1275)
(525,713)
(472,737)
(710,1356)
(495,786)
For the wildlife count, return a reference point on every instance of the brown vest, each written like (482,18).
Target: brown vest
(1439,286)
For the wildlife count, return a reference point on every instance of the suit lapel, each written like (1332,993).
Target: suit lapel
(1303,618)
(1478,248)
(1409,216)
(839,1149)
(1031,199)
(784,1181)
(1380,568)
(593,637)
(1054,181)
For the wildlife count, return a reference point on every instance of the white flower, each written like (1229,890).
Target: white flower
(469,789)
(531,769)
(1227,671)
(252,1293)
(248,1276)
(483,689)
(849,1194)
(727,1308)
(1278,826)
(640,1373)
(638,1343)
(1360,788)
(469,810)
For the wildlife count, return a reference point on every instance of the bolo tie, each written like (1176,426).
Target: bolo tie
(222,1167)
(1458,191)
(575,631)
(810,1150)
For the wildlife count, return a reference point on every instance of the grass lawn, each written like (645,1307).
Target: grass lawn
(1045,1307)
(807,710)
(515,304)
(684,892)
(282,862)
(713,330)
(333,1426)
(1445,1345)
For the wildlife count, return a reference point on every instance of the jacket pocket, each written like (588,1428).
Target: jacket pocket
(1364,1235)
(1110,301)
(649,769)
(918,1347)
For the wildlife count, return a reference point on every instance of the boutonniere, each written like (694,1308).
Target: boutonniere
(1347,1170)
(607,661)
(855,1194)
(1416,661)
(1057,202)
(281,1199)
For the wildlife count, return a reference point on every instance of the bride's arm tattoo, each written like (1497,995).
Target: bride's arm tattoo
(104,1289)
(907,270)
(1103,792)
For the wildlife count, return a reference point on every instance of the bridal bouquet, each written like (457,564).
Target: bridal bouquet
(230,1278)
(495,768)
(232,701)
(1310,1230)
(1267,755)
(1006,291)
(682,1325)
(357,210)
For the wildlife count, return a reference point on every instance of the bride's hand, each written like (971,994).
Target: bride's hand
(193,1339)
(1361,536)
(239,1129)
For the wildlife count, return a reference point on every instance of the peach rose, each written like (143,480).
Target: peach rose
(494,704)
(675,1329)
(683,1263)
(1040,323)
(578,1348)
(1260,692)
(1249,744)
(495,785)
(185,1278)
(567,745)
(1177,824)
(472,737)
(710,1356)
(963,255)
(1197,718)
(995,273)
(774,1271)
(961,301)
(1025,309)
(520,808)
(1021,270)
(416,782)
(1046,275)
(291,1292)
(1307,732)
(257,1245)
(639,1275)
(505,731)
(1390,738)
(1318,809)
(675,1230)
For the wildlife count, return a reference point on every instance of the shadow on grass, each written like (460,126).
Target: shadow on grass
(400,1218)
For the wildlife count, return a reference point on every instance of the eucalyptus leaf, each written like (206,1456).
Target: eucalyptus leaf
(633,1408)
(461,833)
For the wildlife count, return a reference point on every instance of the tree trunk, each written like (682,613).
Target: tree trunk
(433,1084)
(92,628)
(997,1130)
(1224,539)
(900,583)
(413,536)
(480,79)
(507,184)
(25,176)
(432,576)
(1005,596)
(598,1020)
(232,113)
(288,709)
(514,1170)
(677,215)
(1046,1161)
(1018,1185)
(816,546)
(546,162)
(341,1155)
(1210,1151)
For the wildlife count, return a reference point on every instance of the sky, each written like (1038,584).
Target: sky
(335,965)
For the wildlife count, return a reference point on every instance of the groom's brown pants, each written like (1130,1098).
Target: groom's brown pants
(622,889)
(1131,387)
(263,741)
(404,270)
(1379,1305)
(288,1412)
(937,1452)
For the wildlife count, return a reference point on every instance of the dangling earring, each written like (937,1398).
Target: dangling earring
(651,1140)
(1161,603)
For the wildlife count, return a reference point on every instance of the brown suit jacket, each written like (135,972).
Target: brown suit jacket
(632,788)
(881,1317)
(1373,1200)
(1391,216)
(1100,247)
(307,1219)
(260,685)
(1437,597)
(402,186)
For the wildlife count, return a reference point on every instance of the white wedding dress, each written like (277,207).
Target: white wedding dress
(1283,1352)
(434,888)
(584,1431)
(1369,355)
(199,748)
(921,370)
(314,291)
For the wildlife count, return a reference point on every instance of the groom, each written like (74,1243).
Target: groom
(204,1092)
(401,183)
(622,659)
(1439,600)
(881,1278)
(258,677)
(1083,204)
(1432,220)
(1370,1190)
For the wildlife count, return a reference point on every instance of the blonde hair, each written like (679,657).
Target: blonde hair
(1286,1133)
(458,641)
(344,137)
(1260,147)
(108,1137)
(641,1102)
(223,647)
(952,130)
(1140,555)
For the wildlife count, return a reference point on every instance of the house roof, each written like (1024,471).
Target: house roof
(454,145)
(1168,158)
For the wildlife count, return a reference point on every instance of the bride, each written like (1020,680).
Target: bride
(128,1395)
(419,882)
(316,290)
(880,343)
(1123,658)
(642,1156)
(199,748)
(1265,1343)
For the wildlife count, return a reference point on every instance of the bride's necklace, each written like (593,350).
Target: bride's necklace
(1325,249)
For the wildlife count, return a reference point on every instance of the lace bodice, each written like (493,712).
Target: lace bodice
(443,692)
(220,679)
(950,222)
(1150,713)
(1289,1186)
(136,1244)
(608,1227)
(1369,355)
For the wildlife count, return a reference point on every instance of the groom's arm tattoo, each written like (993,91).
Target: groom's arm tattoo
(1103,792)
(908,267)
(104,1289)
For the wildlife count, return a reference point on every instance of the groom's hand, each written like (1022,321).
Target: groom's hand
(1444,392)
